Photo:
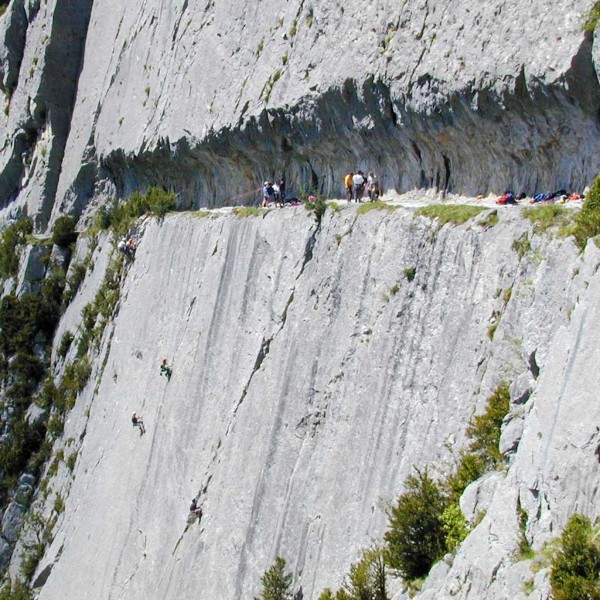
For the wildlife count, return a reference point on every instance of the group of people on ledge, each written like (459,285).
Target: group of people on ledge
(127,246)
(273,193)
(358,186)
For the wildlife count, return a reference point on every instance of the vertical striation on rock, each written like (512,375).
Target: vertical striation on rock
(303,393)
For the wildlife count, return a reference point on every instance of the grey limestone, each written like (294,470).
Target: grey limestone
(305,390)
(12,520)
(210,100)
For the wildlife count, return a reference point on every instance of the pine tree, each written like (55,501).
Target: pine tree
(276,583)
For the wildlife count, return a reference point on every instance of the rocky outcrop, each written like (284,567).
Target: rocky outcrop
(310,375)
(13,517)
(40,63)
(210,100)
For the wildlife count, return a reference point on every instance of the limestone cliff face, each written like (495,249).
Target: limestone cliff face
(210,98)
(310,376)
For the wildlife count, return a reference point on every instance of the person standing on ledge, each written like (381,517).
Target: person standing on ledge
(358,182)
(348,184)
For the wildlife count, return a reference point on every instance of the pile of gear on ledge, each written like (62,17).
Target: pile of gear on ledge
(558,197)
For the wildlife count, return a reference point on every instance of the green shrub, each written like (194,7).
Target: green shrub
(410,273)
(103,218)
(120,216)
(38,459)
(455,526)
(78,272)
(65,343)
(525,549)
(318,207)
(15,591)
(484,430)
(522,245)
(71,460)
(576,566)
(59,504)
(482,454)
(63,233)
(490,220)
(449,213)
(23,441)
(587,220)
(276,583)
(592,18)
(367,577)
(56,424)
(470,468)
(416,538)
(30,560)
(13,236)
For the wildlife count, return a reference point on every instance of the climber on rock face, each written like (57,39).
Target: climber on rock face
(166,370)
(138,422)
(195,510)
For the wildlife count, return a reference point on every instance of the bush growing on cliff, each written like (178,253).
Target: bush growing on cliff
(592,18)
(277,584)
(576,566)
(587,220)
(13,236)
(78,272)
(121,215)
(367,577)
(63,233)
(482,454)
(416,538)
(15,591)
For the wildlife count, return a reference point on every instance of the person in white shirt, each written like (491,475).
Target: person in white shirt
(358,184)
(372,186)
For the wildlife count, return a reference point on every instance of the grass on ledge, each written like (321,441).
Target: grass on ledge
(450,213)
(546,216)
(249,211)
(376,205)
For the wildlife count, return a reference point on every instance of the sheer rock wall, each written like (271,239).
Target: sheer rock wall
(309,378)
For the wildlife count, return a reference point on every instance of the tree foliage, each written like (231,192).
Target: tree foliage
(276,582)
(367,577)
(63,233)
(483,453)
(416,538)
(575,571)
(12,237)
(587,220)
(121,215)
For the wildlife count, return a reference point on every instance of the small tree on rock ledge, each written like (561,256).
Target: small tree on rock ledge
(276,583)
